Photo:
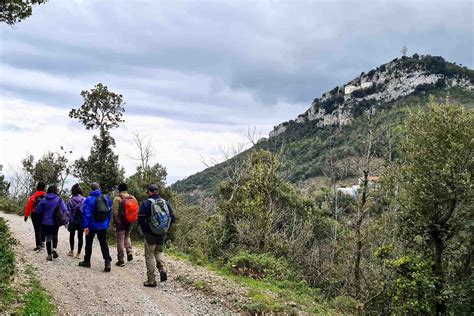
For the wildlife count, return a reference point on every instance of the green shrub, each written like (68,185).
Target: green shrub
(10,206)
(345,304)
(7,261)
(260,266)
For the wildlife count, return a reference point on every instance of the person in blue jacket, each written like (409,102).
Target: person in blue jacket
(93,227)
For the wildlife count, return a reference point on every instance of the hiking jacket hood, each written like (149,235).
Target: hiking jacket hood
(88,209)
(145,213)
(74,206)
(30,206)
(48,205)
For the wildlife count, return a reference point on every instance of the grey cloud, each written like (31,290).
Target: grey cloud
(9,127)
(272,51)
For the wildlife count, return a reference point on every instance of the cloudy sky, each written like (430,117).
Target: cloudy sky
(196,75)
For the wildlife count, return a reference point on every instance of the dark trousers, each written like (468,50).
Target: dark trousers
(102,236)
(80,239)
(39,234)
(51,233)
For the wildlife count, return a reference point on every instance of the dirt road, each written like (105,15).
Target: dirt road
(77,290)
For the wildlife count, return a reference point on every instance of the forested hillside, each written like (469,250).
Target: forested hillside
(333,124)
(361,204)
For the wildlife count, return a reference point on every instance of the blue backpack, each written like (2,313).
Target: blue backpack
(160,219)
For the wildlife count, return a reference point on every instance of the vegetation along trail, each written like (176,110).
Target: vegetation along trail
(90,291)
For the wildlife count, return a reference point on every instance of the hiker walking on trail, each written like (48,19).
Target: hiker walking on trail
(74,206)
(55,214)
(96,214)
(155,218)
(36,219)
(125,213)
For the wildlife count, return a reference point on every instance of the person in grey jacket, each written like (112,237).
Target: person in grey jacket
(74,206)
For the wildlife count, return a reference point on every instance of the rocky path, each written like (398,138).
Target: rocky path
(77,290)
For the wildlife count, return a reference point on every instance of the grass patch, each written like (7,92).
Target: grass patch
(25,298)
(36,300)
(267,295)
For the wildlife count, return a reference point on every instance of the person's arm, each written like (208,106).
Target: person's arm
(86,214)
(66,214)
(116,207)
(29,207)
(142,213)
(64,208)
(69,209)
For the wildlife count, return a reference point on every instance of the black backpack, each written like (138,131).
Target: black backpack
(102,209)
(38,199)
(58,214)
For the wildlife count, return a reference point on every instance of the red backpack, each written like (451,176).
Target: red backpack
(129,209)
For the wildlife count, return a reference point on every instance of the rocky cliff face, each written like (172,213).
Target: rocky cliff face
(389,82)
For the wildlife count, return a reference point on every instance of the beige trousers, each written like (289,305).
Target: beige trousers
(153,256)
(124,243)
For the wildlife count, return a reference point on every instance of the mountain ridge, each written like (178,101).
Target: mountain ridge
(401,82)
(388,82)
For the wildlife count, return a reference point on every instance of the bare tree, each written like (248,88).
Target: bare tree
(21,182)
(145,150)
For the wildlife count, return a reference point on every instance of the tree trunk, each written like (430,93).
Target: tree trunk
(358,255)
(358,231)
(441,308)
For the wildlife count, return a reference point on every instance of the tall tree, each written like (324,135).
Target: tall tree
(102,109)
(15,11)
(433,188)
(52,168)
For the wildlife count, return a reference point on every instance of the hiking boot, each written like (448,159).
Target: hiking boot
(163,276)
(107,266)
(129,256)
(120,263)
(70,253)
(149,284)
(85,264)
(37,248)
(55,254)
(49,258)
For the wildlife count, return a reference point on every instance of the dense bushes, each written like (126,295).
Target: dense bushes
(263,228)
(11,206)
(7,261)
(259,266)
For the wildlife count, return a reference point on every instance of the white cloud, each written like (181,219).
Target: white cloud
(41,128)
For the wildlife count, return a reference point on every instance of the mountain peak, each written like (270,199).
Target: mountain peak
(388,82)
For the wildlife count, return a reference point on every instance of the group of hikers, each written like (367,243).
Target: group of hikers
(91,216)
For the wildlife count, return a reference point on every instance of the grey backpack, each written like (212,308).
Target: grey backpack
(160,219)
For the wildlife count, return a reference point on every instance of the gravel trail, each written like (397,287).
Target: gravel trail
(76,290)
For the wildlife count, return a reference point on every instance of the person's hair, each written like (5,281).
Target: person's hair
(95,186)
(53,189)
(153,188)
(76,189)
(122,187)
(40,186)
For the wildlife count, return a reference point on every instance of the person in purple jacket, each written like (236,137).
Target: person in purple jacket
(50,224)
(74,206)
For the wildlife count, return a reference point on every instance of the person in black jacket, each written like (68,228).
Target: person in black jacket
(153,243)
